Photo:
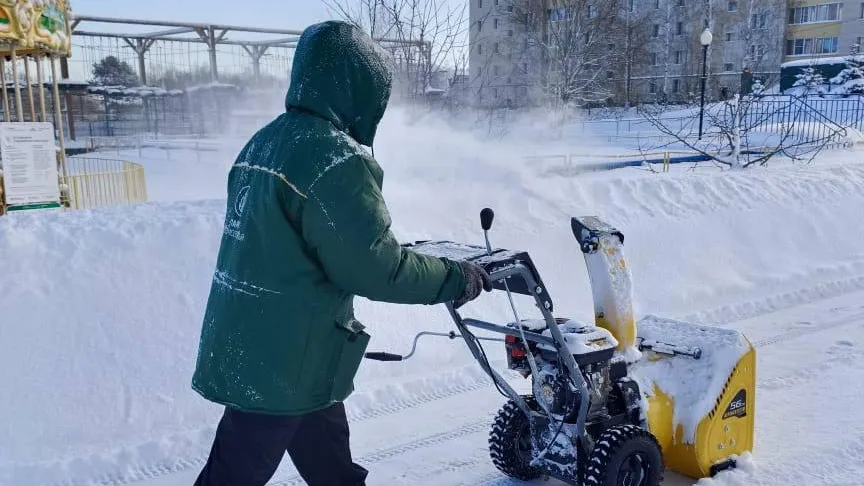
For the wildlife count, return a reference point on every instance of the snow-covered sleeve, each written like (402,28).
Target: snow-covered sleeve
(347,225)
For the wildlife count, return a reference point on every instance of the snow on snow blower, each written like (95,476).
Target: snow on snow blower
(612,403)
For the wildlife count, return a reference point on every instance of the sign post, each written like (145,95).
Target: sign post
(28,155)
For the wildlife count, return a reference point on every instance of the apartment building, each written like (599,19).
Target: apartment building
(820,28)
(651,49)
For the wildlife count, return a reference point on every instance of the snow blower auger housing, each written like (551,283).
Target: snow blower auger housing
(612,403)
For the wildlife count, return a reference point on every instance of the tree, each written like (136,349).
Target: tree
(423,36)
(811,80)
(744,131)
(851,79)
(569,45)
(111,71)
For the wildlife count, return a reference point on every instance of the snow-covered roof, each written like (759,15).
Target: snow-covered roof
(213,85)
(135,91)
(820,60)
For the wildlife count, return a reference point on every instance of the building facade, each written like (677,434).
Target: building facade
(633,51)
(819,28)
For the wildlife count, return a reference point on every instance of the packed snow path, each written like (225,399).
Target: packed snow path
(810,364)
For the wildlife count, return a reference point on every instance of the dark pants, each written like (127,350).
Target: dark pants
(248,448)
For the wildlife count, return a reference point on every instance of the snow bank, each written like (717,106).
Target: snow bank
(100,311)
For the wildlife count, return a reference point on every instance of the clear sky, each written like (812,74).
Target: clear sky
(284,14)
(275,14)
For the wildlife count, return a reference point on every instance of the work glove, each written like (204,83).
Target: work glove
(476,280)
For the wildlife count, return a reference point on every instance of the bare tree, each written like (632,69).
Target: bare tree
(750,130)
(424,36)
(762,35)
(369,15)
(635,32)
(567,46)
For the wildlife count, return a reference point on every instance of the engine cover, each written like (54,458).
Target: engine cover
(587,343)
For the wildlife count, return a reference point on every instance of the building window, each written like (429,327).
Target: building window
(829,12)
(679,56)
(497,50)
(510,33)
(479,3)
(496,70)
(814,46)
(679,28)
(733,6)
(676,85)
(757,21)
(557,14)
(652,87)
(728,36)
(632,5)
(480,49)
(525,67)
(495,23)
(611,46)
(592,12)
(610,74)
(756,52)
(479,26)
(656,31)
(728,67)
(656,4)
(680,3)
(653,58)
(861,15)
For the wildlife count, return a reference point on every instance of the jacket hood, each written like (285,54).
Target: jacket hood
(341,74)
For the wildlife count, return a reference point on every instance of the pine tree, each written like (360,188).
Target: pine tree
(810,79)
(851,79)
(111,71)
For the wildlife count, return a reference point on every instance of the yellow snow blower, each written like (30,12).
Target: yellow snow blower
(612,403)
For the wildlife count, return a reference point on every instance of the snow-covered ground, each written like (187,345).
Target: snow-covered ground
(100,311)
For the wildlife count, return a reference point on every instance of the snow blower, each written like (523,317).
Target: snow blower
(612,403)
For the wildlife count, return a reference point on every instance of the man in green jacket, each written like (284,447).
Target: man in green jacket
(306,230)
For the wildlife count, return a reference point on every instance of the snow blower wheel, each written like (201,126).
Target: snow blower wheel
(625,455)
(510,442)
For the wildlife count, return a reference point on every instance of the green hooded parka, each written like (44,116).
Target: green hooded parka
(306,229)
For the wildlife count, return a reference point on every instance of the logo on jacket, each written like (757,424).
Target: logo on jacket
(234,225)
(240,201)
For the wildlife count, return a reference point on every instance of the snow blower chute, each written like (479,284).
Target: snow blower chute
(613,402)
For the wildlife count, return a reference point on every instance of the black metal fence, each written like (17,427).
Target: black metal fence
(814,118)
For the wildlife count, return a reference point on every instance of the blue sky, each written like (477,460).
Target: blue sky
(276,14)
(285,14)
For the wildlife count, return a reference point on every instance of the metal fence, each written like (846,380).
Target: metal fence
(96,183)
(806,119)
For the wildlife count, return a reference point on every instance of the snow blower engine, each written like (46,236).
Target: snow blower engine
(608,406)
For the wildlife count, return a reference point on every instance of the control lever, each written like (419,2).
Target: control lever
(660,347)
(379,356)
(486,218)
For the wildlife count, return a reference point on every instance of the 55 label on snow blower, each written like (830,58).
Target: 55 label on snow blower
(738,406)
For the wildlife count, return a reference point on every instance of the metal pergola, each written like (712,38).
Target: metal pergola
(211,35)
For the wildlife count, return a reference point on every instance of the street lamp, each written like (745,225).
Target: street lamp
(705,39)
